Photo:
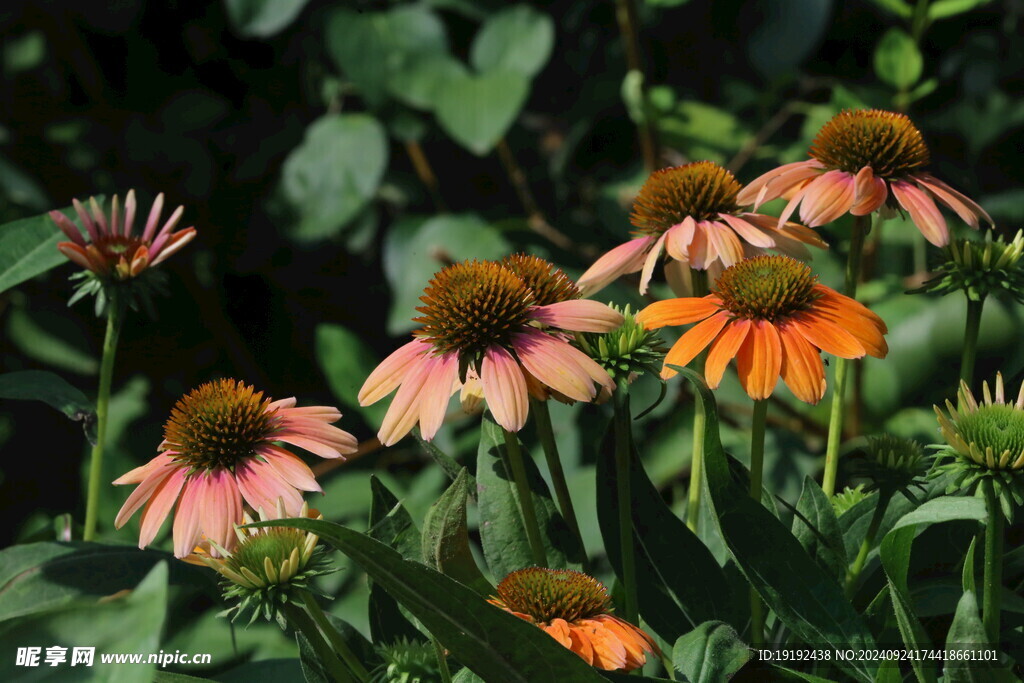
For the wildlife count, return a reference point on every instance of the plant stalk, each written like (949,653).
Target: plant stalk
(546,433)
(442,661)
(335,639)
(625,13)
(869,540)
(699,285)
(623,480)
(757,615)
(300,621)
(835,423)
(993,586)
(115,311)
(974,309)
(533,535)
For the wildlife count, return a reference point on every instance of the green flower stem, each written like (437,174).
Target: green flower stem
(336,641)
(623,448)
(993,587)
(442,661)
(115,312)
(300,621)
(542,417)
(699,284)
(869,541)
(835,423)
(625,13)
(533,535)
(757,615)
(974,309)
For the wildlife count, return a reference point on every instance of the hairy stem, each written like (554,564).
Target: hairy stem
(115,312)
(699,284)
(623,453)
(546,433)
(974,309)
(757,615)
(533,535)
(993,586)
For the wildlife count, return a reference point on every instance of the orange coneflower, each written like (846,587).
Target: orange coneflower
(219,449)
(772,315)
(482,323)
(691,212)
(575,610)
(113,250)
(863,160)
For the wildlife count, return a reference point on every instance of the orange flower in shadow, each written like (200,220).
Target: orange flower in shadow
(574,609)
(771,315)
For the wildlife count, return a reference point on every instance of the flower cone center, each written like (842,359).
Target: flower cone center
(218,424)
(471,306)
(546,594)
(766,287)
(547,282)
(701,190)
(113,247)
(276,543)
(886,141)
(997,426)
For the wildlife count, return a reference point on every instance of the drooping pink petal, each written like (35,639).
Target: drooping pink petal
(387,376)
(923,212)
(154,218)
(141,494)
(578,315)
(650,262)
(325,413)
(727,244)
(438,388)
(188,517)
(404,410)
(261,486)
(748,232)
(159,506)
(137,475)
(504,388)
(545,358)
(870,192)
(827,197)
(314,445)
(679,236)
(623,259)
(698,250)
(791,206)
(290,467)
(284,404)
(67,227)
(777,182)
(221,506)
(968,210)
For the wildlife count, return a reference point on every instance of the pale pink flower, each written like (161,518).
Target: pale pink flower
(861,161)
(221,449)
(690,212)
(112,249)
(482,327)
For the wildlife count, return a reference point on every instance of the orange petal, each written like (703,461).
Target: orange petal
(693,342)
(828,336)
(678,311)
(759,360)
(802,369)
(723,350)
(871,192)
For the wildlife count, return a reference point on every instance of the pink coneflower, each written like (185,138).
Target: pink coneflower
(480,317)
(218,450)
(112,250)
(691,213)
(863,160)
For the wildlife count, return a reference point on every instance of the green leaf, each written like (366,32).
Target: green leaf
(967,637)
(672,599)
(898,7)
(493,643)
(895,555)
(803,596)
(334,173)
(46,576)
(710,653)
(263,18)
(414,250)
(941,9)
(477,111)
(382,52)
(817,529)
(38,385)
(28,247)
(446,538)
(51,338)
(264,671)
(898,62)
(344,358)
(127,622)
(502,534)
(447,463)
(517,39)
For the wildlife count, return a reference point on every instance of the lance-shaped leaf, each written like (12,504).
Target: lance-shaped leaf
(446,538)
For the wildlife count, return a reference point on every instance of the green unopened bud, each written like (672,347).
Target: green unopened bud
(407,662)
(848,498)
(627,350)
(981,267)
(892,463)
